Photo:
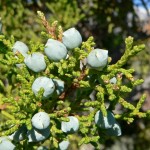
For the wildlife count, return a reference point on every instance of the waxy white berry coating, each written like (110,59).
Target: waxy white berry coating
(19,135)
(38,135)
(115,130)
(55,50)
(104,122)
(43,82)
(59,86)
(113,80)
(64,145)
(40,120)
(6,144)
(97,59)
(71,126)
(72,38)
(20,47)
(35,62)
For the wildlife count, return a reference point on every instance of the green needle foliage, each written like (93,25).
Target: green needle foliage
(69,12)
(19,103)
(23,11)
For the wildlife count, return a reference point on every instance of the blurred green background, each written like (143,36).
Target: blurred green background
(110,22)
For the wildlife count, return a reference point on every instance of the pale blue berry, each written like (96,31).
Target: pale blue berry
(5,144)
(97,59)
(115,130)
(35,62)
(19,135)
(113,80)
(59,86)
(38,135)
(43,82)
(55,50)
(64,145)
(40,120)
(72,38)
(104,122)
(20,47)
(71,126)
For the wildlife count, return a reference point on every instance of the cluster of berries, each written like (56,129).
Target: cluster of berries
(108,123)
(41,124)
(40,131)
(56,51)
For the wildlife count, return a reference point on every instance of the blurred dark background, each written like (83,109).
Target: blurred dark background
(109,22)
